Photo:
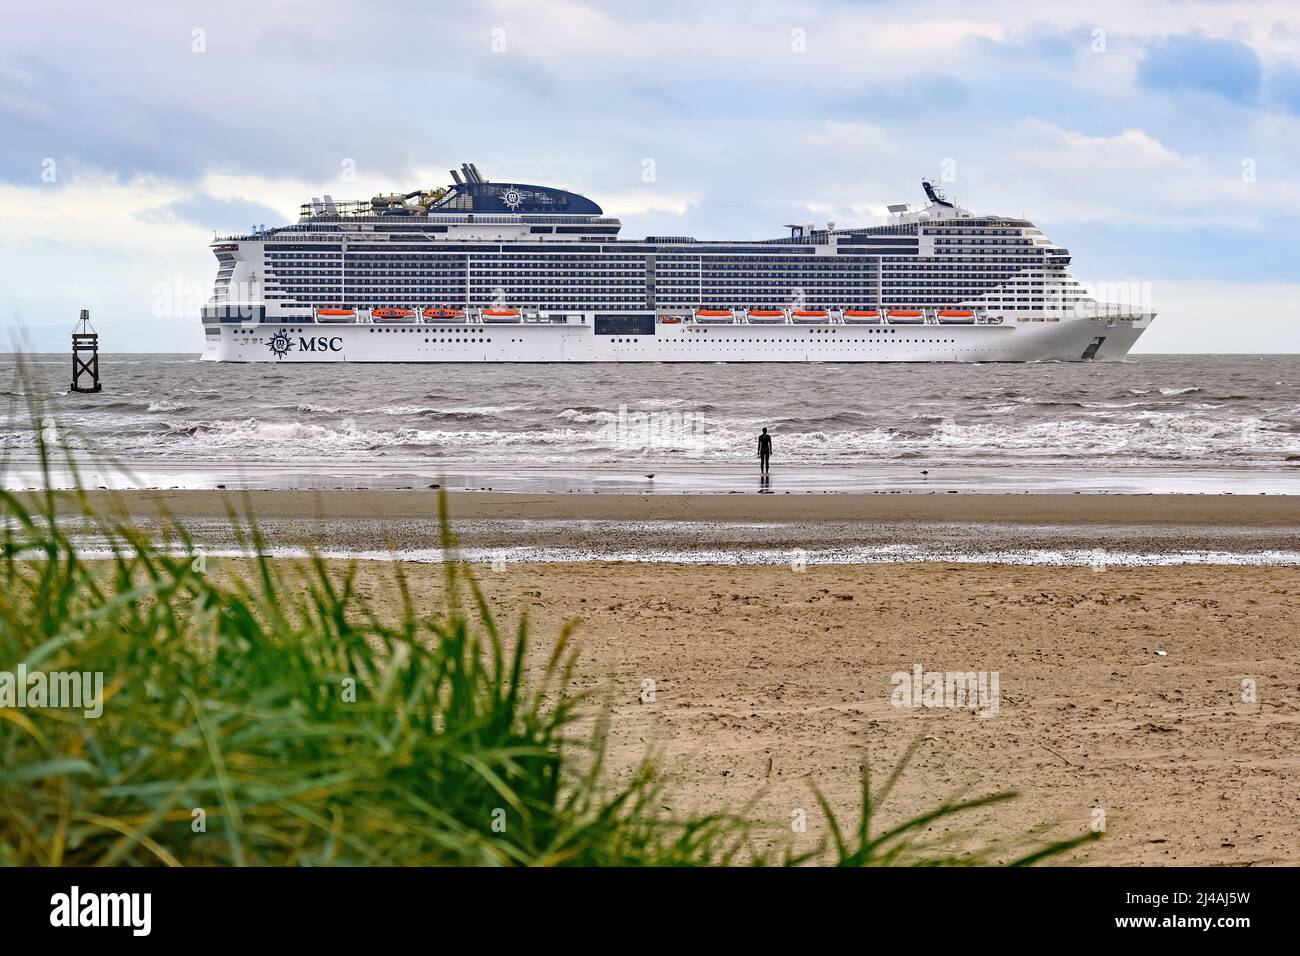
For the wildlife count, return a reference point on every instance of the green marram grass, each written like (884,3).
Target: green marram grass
(276,720)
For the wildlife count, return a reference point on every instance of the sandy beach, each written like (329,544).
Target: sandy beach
(1121,688)
(765,678)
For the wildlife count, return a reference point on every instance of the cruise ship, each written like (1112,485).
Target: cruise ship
(484,271)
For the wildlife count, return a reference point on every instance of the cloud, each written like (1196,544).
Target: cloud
(1191,315)
(1284,88)
(96,209)
(1038,40)
(645,203)
(920,95)
(220,215)
(1192,63)
(1130,177)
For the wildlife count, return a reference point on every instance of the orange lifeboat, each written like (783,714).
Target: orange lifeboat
(501,315)
(670,320)
(443,315)
(336,315)
(810,316)
(956,317)
(715,316)
(862,316)
(766,316)
(906,316)
(391,315)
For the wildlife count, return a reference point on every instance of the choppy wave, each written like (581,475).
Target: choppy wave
(1111,415)
(165,406)
(607,436)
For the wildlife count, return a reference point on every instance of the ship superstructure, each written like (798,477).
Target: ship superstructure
(485,271)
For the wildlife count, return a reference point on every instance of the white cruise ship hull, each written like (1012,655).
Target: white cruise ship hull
(1066,340)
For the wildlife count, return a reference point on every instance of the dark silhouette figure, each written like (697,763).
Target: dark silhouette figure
(764,450)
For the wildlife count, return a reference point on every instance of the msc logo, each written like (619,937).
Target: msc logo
(281,345)
(321,343)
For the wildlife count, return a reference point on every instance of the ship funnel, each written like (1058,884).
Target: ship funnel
(933,194)
(470,175)
(456,176)
(478,177)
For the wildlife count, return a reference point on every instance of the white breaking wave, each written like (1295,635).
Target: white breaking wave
(1101,560)
(1147,435)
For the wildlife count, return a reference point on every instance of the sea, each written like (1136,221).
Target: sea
(1152,423)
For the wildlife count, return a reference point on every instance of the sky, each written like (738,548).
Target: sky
(1159,142)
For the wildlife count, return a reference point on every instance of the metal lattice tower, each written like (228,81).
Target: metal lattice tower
(85,342)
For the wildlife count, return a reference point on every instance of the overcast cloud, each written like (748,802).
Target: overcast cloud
(1159,142)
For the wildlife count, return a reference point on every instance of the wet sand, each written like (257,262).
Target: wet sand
(869,476)
(1229,510)
(1123,530)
